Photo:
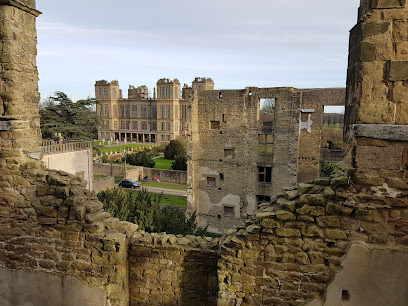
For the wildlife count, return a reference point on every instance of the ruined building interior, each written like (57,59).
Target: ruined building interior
(340,240)
(238,159)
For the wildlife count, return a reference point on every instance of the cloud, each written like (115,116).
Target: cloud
(238,43)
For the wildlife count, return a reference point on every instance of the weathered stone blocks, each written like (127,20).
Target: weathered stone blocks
(399,71)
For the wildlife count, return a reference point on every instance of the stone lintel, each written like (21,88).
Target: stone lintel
(24,5)
(5,126)
(382,131)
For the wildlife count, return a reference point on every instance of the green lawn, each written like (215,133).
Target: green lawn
(98,176)
(121,147)
(162,163)
(170,199)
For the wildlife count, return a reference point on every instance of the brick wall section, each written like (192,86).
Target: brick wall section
(103,184)
(292,249)
(169,270)
(108,169)
(166,176)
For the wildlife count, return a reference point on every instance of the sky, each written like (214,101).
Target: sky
(238,43)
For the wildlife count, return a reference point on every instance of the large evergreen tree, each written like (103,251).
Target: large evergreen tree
(74,120)
(142,158)
(174,148)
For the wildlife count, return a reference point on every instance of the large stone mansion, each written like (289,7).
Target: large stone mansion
(144,119)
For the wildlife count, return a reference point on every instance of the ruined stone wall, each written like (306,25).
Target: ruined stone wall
(294,247)
(376,89)
(169,270)
(55,235)
(223,170)
(51,224)
(294,155)
(222,122)
(19,97)
(312,104)
(377,94)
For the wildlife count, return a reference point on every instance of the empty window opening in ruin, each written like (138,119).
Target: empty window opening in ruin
(223,118)
(267,105)
(262,199)
(229,211)
(265,174)
(221,176)
(229,153)
(345,295)
(265,143)
(214,125)
(333,116)
(211,181)
(220,95)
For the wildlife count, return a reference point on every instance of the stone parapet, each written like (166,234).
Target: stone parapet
(292,249)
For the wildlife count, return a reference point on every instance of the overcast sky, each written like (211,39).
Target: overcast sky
(264,43)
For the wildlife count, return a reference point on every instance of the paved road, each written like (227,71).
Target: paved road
(182,193)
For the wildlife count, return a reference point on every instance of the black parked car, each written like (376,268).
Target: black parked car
(129,184)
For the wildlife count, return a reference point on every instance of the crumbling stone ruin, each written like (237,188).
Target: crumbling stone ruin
(239,158)
(333,241)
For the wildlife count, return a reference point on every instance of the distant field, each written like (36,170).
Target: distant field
(162,163)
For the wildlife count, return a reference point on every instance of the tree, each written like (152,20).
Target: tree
(180,162)
(267,106)
(142,158)
(135,207)
(74,120)
(174,148)
(144,210)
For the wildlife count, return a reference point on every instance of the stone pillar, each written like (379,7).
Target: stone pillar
(19,97)
(376,121)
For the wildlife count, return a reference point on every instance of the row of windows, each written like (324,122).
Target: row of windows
(166,93)
(134,125)
(103,93)
(264,176)
(131,111)
(165,137)
(127,112)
